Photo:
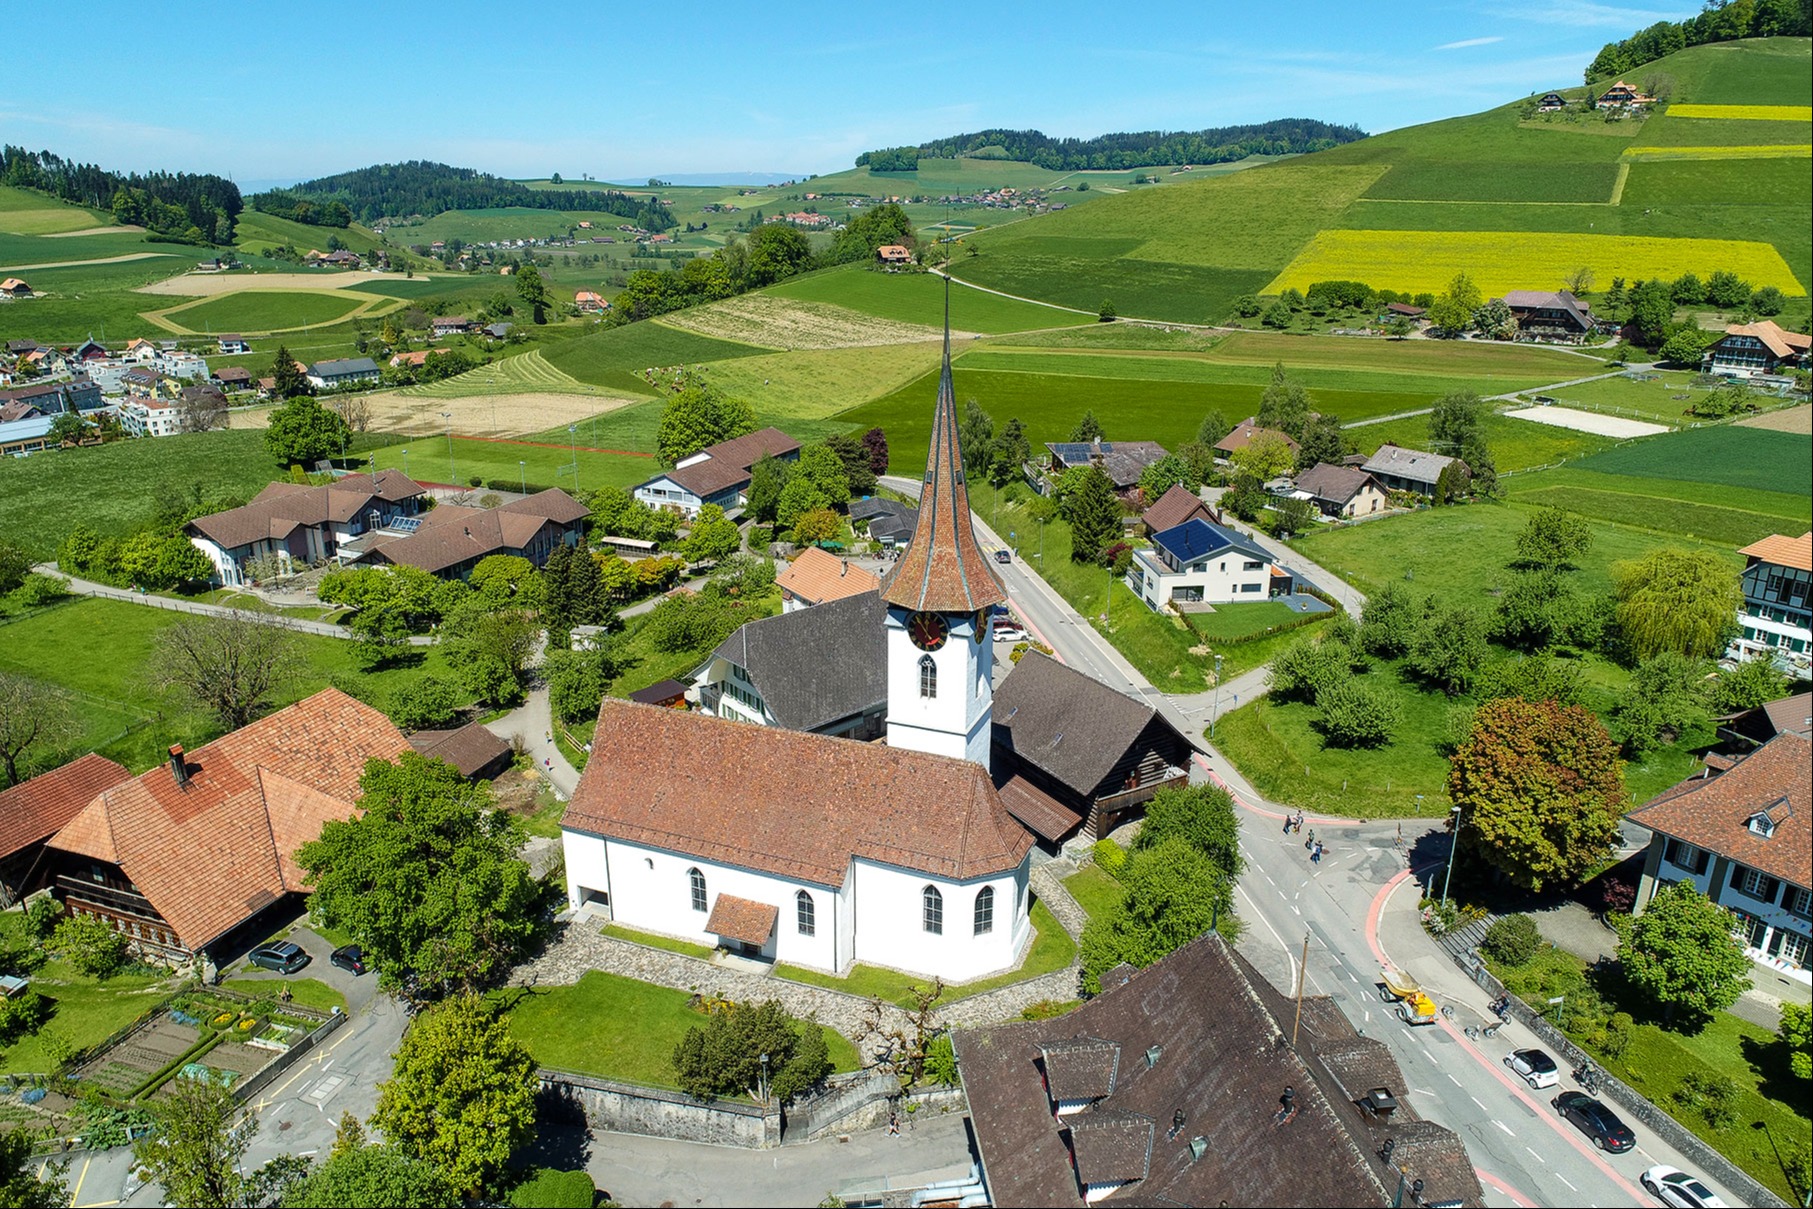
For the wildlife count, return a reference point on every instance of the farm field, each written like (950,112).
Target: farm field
(817,384)
(118,484)
(918,298)
(1777,181)
(1766,113)
(615,358)
(1459,554)
(1677,131)
(1501,261)
(124,719)
(1732,151)
(256,231)
(261,312)
(769,321)
(496,462)
(1717,513)
(28,212)
(1517,445)
(1750,459)
(510,222)
(525,373)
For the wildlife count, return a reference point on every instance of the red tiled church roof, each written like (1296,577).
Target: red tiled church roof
(1711,810)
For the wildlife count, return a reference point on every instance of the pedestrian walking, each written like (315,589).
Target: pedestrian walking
(1288,820)
(1315,856)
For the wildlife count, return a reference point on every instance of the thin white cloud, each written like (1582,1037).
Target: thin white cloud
(1464,43)
(1585,14)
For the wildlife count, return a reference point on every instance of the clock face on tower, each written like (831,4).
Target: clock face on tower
(928,630)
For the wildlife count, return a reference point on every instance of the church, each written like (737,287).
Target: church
(820,851)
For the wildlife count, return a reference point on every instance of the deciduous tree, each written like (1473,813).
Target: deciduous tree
(817,526)
(490,647)
(1284,404)
(1540,790)
(427,879)
(724,1056)
(876,442)
(1172,893)
(32,715)
(697,416)
(1388,622)
(1264,458)
(28,1183)
(372,1175)
(1681,953)
(302,432)
(533,291)
(1292,517)
(462,1096)
(767,479)
(1450,646)
(198,1136)
(1200,815)
(1213,427)
(1358,713)
(1666,701)
(1750,684)
(713,536)
(425,702)
(1554,539)
(975,435)
(1797,1033)
(233,666)
(1676,600)
(820,466)
(797,498)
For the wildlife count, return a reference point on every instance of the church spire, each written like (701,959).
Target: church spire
(944,569)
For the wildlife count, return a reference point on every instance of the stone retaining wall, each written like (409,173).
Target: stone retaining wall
(657,1113)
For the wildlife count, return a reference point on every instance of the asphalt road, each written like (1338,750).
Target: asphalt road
(1357,908)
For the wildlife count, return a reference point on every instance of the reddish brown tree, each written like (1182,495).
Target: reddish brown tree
(1540,790)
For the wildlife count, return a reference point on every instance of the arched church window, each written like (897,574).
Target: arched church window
(928,677)
(934,910)
(985,911)
(808,914)
(698,888)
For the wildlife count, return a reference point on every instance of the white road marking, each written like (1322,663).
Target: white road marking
(1504,1127)
(1431,1058)
(1482,1106)
(1564,1180)
(1452,1079)
(1536,1156)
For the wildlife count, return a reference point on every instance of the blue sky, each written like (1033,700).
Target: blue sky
(262,91)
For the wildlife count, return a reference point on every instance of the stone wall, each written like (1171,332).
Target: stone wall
(654,1112)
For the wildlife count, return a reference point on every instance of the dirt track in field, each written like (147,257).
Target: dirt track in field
(476,415)
(208,284)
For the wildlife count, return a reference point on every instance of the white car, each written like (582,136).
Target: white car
(1534,1066)
(1673,1187)
(1006,629)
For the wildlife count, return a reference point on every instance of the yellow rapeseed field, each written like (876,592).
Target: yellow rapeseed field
(1497,261)
(1768,151)
(1753,113)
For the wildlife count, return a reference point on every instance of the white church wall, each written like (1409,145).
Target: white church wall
(588,874)
(650,891)
(890,928)
(954,723)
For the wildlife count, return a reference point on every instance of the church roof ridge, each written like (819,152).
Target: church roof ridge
(944,569)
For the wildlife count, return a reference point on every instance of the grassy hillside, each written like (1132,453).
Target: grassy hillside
(1403,208)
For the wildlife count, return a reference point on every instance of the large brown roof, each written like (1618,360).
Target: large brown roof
(1067,724)
(742,919)
(1336,484)
(818,575)
(728,463)
(470,748)
(1219,1057)
(787,803)
(212,854)
(282,507)
(34,809)
(450,535)
(1244,434)
(1775,338)
(1177,505)
(944,569)
(1711,810)
(1796,552)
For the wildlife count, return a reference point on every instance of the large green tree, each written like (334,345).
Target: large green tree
(975,435)
(302,432)
(373,1175)
(1670,599)
(1666,702)
(1449,649)
(1284,404)
(1200,815)
(1681,953)
(1456,424)
(1094,515)
(426,878)
(462,1095)
(1540,790)
(767,478)
(1750,684)
(713,536)
(21,1184)
(33,714)
(1554,540)
(533,291)
(723,1056)
(697,416)
(197,1138)
(233,666)
(490,647)
(1797,1033)
(1087,429)
(871,228)
(288,379)
(820,466)
(1322,441)
(1388,621)
(1172,894)
(776,252)
(1264,458)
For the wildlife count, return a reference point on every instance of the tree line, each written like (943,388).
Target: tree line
(181,206)
(1215,145)
(280,203)
(1720,21)
(428,188)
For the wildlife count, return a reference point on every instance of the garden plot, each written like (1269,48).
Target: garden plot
(1588,421)
(790,323)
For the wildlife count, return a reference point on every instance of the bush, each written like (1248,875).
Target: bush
(1045,1009)
(551,1188)
(941,1061)
(1512,940)
(91,946)
(1357,714)
(43,916)
(22,1015)
(1714,1097)
(1110,857)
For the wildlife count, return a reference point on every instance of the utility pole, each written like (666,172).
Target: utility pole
(1302,977)
(1453,843)
(452,474)
(1217,712)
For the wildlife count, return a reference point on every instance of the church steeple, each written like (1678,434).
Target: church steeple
(944,569)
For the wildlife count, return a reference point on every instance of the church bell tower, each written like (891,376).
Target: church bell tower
(940,595)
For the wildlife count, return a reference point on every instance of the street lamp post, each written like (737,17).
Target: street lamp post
(1453,843)
(405,463)
(1217,712)
(573,440)
(453,476)
(522,475)
(764,1087)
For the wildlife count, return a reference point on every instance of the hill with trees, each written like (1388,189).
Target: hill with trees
(1721,21)
(427,188)
(183,206)
(1142,149)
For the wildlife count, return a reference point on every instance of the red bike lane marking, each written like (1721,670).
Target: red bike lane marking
(1505,1190)
(1514,1086)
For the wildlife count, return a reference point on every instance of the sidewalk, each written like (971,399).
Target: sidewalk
(534,722)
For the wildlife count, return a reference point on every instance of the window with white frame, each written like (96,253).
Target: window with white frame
(1686,856)
(932,910)
(807,914)
(1800,901)
(697,881)
(928,677)
(985,911)
(1755,883)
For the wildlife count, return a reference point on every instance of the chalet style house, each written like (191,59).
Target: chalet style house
(179,858)
(1122,461)
(718,474)
(1623,96)
(1341,492)
(1748,349)
(303,525)
(1550,314)
(36,809)
(451,540)
(1399,469)
(1776,619)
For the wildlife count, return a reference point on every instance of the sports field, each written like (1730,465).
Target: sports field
(1498,261)
(505,464)
(255,312)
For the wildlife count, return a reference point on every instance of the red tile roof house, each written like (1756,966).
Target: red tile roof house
(894,254)
(182,857)
(717,474)
(1177,505)
(450,540)
(449,325)
(33,811)
(1242,436)
(1744,838)
(590,303)
(1748,349)
(303,525)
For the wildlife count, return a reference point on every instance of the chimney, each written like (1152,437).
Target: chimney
(845,570)
(178,767)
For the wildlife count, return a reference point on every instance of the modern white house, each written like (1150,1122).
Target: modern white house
(150,417)
(345,371)
(1202,563)
(1776,618)
(718,474)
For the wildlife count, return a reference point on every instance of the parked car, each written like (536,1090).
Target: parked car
(1595,1120)
(350,958)
(1675,1187)
(283,956)
(1004,555)
(1006,629)
(1535,1066)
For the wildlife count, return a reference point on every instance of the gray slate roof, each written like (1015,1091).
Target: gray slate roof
(1336,484)
(815,666)
(1065,724)
(1413,464)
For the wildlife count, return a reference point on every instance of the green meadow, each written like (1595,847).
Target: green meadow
(1752,459)
(505,464)
(1516,445)
(919,298)
(1665,505)
(268,311)
(615,357)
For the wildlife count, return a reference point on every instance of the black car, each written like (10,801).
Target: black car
(350,958)
(283,956)
(1596,1121)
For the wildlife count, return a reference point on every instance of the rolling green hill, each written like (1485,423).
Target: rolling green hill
(1404,209)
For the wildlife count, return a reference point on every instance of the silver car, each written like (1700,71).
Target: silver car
(1534,1066)
(1673,1187)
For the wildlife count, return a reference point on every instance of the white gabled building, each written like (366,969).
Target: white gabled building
(718,474)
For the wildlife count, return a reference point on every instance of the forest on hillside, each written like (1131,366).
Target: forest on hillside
(1721,21)
(1142,149)
(427,188)
(176,205)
